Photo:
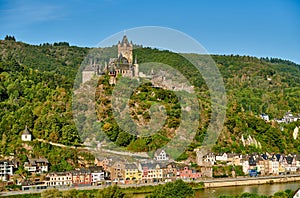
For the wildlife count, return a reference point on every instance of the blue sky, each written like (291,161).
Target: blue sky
(254,27)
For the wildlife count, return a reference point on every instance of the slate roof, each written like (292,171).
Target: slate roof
(151,165)
(130,166)
(95,169)
(7,161)
(264,156)
(33,161)
(289,159)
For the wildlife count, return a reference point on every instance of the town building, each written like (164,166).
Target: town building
(170,171)
(117,172)
(222,157)
(81,177)
(132,173)
(97,175)
(185,173)
(38,165)
(58,179)
(103,162)
(161,155)
(6,170)
(152,171)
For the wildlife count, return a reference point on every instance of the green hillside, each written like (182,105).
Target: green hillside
(36,88)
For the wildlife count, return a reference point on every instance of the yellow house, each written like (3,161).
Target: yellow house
(281,168)
(132,173)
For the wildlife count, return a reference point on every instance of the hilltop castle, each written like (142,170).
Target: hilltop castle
(123,64)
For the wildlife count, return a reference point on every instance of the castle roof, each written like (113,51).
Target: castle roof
(125,40)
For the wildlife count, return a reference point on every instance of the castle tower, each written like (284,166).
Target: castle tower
(136,68)
(125,49)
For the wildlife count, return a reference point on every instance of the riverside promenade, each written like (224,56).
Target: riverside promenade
(214,183)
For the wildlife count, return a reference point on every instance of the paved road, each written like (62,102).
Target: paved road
(83,147)
(3,194)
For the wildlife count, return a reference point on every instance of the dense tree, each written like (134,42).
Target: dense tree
(173,189)
(9,38)
(49,193)
(112,191)
(36,87)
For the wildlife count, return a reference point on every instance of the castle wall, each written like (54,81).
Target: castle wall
(87,75)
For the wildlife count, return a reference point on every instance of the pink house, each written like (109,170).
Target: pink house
(187,173)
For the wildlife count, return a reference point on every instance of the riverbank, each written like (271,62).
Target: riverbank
(250,181)
(137,189)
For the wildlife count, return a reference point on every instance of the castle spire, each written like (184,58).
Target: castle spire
(125,40)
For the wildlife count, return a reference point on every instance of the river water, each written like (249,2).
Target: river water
(264,189)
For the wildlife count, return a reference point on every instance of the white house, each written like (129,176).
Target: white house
(274,167)
(223,157)
(26,135)
(39,165)
(210,157)
(97,177)
(6,170)
(265,117)
(289,117)
(161,155)
(97,174)
(246,166)
(59,179)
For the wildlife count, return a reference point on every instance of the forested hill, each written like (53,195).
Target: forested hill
(58,57)
(36,88)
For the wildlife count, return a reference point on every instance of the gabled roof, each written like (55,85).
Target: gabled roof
(264,156)
(276,157)
(158,152)
(252,161)
(289,159)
